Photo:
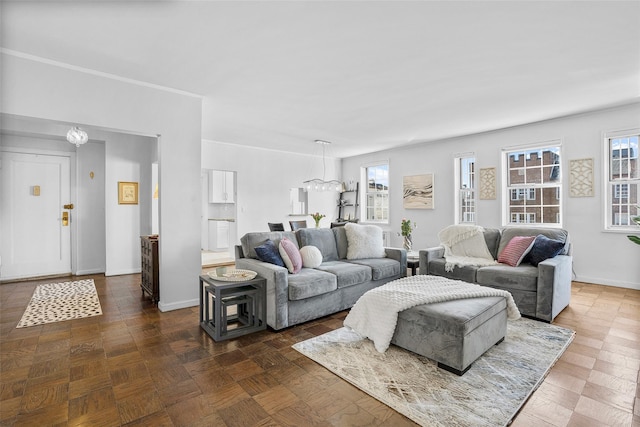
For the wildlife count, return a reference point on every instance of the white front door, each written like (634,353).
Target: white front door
(34,238)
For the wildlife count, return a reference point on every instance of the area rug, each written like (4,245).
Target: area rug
(490,393)
(55,302)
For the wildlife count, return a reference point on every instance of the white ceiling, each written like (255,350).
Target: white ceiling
(364,75)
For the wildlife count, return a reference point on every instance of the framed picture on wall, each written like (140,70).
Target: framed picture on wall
(417,191)
(127,193)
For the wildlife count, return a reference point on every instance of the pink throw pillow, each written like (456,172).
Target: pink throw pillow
(290,255)
(516,249)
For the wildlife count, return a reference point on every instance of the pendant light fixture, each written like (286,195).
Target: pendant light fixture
(77,136)
(318,184)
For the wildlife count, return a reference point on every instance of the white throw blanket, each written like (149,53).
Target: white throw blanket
(375,314)
(465,245)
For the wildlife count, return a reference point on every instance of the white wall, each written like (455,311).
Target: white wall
(599,257)
(34,89)
(128,158)
(263,180)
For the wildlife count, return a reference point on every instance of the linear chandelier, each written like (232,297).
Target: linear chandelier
(318,184)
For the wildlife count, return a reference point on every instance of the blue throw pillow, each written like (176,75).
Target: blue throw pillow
(268,252)
(543,248)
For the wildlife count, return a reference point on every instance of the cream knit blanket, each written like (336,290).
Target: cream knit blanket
(465,245)
(375,314)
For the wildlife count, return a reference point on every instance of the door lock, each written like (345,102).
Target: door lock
(69,206)
(65,219)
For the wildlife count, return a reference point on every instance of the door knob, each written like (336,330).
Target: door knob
(65,219)
(69,206)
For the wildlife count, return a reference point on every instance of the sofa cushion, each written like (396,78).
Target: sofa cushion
(311,256)
(466,273)
(290,255)
(364,241)
(515,251)
(492,238)
(381,268)
(310,282)
(250,240)
(552,233)
(522,277)
(321,238)
(348,273)
(341,241)
(269,252)
(543,248)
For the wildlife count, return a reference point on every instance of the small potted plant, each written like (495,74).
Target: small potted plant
(317,217)
(405,231)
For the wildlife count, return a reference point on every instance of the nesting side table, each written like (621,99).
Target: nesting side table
(218,297)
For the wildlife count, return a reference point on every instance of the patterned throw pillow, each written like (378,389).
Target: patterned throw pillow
(290,255)
(543,248)
(516,249)
(268,252)
(311,256)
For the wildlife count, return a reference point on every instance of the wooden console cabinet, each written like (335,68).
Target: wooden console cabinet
(150,272)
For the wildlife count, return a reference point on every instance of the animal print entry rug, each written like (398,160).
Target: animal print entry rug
(490,393)
(55,302)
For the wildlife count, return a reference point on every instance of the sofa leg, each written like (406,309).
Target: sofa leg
(500,340)
(458,372)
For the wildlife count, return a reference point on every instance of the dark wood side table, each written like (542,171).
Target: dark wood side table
(150,277)
(413,262)
(218,297)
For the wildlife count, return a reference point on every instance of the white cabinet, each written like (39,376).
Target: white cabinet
(218,235)
(221,186)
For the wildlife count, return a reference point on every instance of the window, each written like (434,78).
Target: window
(623,179)
(533,182)
(466,189)
(376,194)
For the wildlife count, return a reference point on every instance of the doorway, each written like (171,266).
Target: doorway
(35,215)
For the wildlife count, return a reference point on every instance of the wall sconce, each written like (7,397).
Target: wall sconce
(77,136)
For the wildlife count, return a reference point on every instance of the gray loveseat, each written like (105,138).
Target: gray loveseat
(315,292)
(540,292)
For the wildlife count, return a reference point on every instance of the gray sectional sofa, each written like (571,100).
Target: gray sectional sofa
(335,285)
(540,292)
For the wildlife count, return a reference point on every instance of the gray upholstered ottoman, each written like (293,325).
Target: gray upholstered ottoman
(453,333)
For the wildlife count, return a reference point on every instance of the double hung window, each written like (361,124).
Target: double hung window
(623,179)
(376,194)
(533,185)
(466,189)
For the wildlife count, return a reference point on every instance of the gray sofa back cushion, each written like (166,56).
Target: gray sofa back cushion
(250,240)
(552,233)
(492,238)
(321,238)
(341,241)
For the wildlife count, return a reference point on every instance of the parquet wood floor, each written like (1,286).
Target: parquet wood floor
(136,366)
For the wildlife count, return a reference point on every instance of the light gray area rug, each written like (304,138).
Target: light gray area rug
(490,393)
(55,302)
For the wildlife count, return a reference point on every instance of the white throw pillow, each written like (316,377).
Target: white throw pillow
(311,256)
(364,241)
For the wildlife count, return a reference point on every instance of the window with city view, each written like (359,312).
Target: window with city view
(466,189)
(623,180)
(534,185)
(376,201)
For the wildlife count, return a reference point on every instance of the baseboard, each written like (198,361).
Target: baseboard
(607,282)
(177,305)
(86,272)
(122,272)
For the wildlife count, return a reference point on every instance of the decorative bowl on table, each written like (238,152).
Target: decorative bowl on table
(233,275)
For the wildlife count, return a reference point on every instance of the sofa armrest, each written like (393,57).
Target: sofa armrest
(400,255)
(427,255)
(554,286)
(277,289)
